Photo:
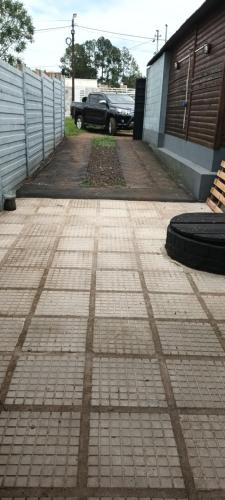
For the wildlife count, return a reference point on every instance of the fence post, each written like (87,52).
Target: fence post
(61,110)
(25,121)
(43,117)
(54,111)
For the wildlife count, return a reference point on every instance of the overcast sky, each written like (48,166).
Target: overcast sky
(136,17)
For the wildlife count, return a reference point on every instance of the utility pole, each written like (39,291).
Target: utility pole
(166,32)
(73,56)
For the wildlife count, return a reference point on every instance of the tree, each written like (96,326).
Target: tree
(101,59)
(84,60)
(16,29)
(130,69)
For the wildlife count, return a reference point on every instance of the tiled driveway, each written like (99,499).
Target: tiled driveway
(112,356)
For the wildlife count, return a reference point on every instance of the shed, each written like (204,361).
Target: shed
(184,118)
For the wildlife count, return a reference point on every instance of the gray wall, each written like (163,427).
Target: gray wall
(32,114)
(192,164)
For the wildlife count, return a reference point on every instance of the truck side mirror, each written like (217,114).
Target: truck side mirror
(103,101)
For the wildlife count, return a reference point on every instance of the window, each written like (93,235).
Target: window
(95,98)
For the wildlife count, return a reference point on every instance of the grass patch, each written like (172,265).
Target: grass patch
(104,142)
(70,127)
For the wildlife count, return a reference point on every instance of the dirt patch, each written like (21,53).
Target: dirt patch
(104,166)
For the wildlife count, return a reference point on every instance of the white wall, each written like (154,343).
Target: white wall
(154,94)
(82,88)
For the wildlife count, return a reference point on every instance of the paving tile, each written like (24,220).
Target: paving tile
(167,281)
(127,382)
(115,232)
(113,222)
(41,229)
(205,438)
(216,306)
(127,281)
(13,218)
(132,450)
(35,242)
(176,306)
(68,279)
(6,241)
(113,212)
(61,334)
(209,283)
(79,231)
(123,336)
(155,233)
(151,246)
(147,213)
(11,228)
(192,338)
(51,202)
(73,259)
(10,329)
(110,260)
(83,203)
(82,211)
(199,383)
(16,302)
(4,362)
(39,449)
(48,219)
(115,204)
(62,303)
(115,245)
(14,277)
(76,244)
(21,257)
(3,252)
(125,305)
(43,379)
(153,262)
(55,210)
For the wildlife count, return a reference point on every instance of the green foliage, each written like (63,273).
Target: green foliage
(70,127)
(16,29)
(84,61)
(100,59)
(105,141)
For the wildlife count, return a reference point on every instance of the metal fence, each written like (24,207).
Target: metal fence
(32,111)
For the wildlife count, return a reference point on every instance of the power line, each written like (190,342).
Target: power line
(95,29)
(54,28)
(114,32)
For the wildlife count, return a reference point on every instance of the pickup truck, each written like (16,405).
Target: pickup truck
(108,111)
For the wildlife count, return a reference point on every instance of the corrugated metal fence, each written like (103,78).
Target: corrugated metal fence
(32,110)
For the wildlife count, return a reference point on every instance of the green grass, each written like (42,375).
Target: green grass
(104,142)
(70,127)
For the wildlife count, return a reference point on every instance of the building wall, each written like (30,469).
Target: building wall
(204,74)
(155,100)
(82,88)
(191,143)
(31,123)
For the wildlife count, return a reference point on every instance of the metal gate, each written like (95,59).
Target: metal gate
(139,108)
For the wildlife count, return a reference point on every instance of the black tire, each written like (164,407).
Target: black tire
(112,127)
(204,256)
(79,122)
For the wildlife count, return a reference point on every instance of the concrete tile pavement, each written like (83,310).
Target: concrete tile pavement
(112,357)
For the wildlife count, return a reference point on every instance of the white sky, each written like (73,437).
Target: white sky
(137,17)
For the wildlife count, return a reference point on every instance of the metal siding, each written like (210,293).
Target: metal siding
(32,113)
(12,128)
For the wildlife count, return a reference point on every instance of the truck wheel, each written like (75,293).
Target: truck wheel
(112,128)
(79,122)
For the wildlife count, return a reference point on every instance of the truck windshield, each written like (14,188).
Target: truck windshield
(120,99)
